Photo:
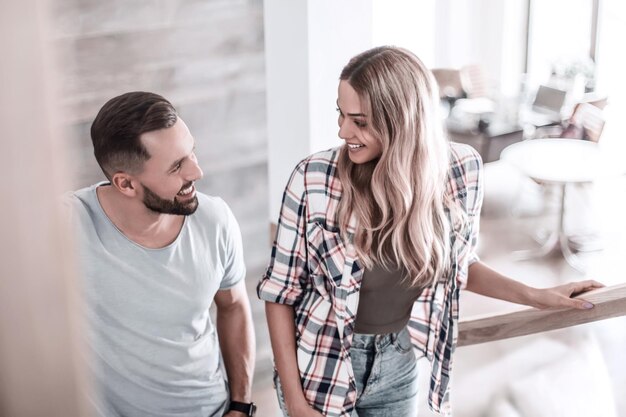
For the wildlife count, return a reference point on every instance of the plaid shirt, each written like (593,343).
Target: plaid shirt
(313,269)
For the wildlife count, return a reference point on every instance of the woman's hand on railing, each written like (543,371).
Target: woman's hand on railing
(558,312)
(561,295)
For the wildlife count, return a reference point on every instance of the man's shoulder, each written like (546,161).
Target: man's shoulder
(211,209)
(79,201)
(213,219)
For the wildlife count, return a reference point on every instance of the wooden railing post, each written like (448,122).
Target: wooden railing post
(608,302)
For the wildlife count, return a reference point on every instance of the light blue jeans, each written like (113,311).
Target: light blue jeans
(385,369)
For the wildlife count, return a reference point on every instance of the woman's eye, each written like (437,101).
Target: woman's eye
(360,123)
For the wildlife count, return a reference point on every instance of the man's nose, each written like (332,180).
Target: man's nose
(195,172)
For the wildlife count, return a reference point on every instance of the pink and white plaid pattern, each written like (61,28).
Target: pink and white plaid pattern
(313,269)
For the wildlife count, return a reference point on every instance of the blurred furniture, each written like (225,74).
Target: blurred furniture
(472,117)
(474,81)
(467,82)
(561,163)
(449,82)
(546,108)
(489,138)
(586,122)
(596,100)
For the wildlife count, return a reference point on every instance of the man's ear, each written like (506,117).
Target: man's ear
(124,183)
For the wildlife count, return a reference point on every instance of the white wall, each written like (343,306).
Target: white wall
(286,69)
(408,24)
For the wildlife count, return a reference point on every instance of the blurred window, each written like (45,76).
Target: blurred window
(559,40)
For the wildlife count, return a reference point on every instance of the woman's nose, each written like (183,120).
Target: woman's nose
(345,132)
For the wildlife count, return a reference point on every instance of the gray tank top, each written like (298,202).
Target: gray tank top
(385,301)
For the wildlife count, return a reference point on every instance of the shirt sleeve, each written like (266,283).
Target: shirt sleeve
(473,180)
(287,272)
(232,252)
(474,204)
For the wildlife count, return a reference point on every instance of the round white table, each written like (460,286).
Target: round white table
(561,163)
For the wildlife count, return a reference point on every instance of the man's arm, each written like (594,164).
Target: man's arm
(485,281)
(236,335)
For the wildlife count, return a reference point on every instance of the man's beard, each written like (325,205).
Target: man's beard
(161,205)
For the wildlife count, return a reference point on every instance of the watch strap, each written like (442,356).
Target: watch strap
(246,408)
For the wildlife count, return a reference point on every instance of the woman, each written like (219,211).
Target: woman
(374,241)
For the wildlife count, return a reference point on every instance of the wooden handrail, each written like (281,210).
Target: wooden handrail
(608,302)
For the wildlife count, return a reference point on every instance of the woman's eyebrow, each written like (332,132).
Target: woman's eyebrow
(351,114)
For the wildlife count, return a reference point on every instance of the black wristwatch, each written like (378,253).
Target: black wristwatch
(248,409)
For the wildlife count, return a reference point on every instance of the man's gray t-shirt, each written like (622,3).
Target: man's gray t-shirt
(155,348)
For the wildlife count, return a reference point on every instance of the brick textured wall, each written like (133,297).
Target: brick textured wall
(206,56)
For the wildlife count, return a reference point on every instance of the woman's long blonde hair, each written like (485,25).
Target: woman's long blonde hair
(399,200)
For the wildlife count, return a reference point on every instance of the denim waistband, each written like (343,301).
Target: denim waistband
(375,342)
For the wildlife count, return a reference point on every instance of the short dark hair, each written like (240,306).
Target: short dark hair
(116,130)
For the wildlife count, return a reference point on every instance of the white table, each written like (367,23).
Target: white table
(562,163)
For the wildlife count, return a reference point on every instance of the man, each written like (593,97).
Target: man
(155,253)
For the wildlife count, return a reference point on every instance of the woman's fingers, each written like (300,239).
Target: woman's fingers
(577,288)
(578,304)
(584,286)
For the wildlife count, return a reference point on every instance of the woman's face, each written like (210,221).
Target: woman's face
(354,126)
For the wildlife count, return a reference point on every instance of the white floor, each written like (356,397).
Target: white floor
(486,374)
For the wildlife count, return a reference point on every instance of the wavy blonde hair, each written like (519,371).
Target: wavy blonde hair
(399,200)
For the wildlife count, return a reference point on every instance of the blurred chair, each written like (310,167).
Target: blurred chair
(474,81)
(449,81)
(600,101)
(586,122)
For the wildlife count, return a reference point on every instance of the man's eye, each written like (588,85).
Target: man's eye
(177,167)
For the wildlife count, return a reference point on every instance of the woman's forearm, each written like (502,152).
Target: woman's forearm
(281,323)
(485,281)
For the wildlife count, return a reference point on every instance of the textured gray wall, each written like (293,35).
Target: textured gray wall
(206,56)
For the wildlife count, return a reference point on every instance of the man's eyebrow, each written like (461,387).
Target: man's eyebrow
(178,161)
(175,163)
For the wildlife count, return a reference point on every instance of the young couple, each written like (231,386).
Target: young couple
(375,240)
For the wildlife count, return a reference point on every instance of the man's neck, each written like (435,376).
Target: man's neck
(138,223)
